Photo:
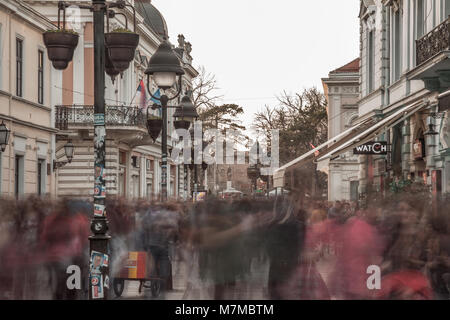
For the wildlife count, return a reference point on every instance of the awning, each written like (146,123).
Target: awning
(375,130)
(278,176)
(349,139)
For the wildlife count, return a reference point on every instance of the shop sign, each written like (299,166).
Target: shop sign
(372,148)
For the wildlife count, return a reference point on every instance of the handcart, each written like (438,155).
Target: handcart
(138,266)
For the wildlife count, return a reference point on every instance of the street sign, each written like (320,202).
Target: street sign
(374,148)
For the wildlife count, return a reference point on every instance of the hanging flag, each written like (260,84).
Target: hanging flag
(157,95)
(155,100)
(315,153)
(143,95)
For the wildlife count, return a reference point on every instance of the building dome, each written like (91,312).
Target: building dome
(152,18)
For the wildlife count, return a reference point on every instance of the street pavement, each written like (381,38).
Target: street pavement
(255,287)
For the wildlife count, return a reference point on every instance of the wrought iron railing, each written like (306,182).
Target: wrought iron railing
(82,115)
(434,42)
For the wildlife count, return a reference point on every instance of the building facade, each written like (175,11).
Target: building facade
(405,67)
(341,89)
(133,159)
(403,103)
(26,101)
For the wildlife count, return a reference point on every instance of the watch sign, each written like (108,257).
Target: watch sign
(377,148)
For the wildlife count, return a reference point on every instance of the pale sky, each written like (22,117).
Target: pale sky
(258,48)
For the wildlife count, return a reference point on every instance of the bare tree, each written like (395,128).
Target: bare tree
(204,90)
(301,119)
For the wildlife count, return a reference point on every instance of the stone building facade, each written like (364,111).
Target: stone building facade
(26,101)
(402,69)
(342,91)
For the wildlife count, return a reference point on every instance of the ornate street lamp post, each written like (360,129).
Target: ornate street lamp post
(119,47)
(164,67)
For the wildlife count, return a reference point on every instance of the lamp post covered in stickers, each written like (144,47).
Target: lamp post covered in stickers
(117,47)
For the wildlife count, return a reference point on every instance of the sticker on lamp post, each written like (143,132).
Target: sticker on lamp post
(99,210)
(99,119)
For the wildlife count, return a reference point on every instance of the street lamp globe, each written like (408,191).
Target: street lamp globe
(69,149)
(4,136)
(165,80)
(164,66)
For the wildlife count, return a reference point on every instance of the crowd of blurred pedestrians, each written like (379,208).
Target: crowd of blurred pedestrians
(284,248)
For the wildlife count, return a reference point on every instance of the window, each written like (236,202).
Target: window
(135,160)
(354,190)
(18,176)
(420,18)
(41,77)
(122,158)
(41,177)
(19,67)
(371,61)
(397,45)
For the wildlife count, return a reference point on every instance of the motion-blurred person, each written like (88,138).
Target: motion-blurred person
(356,245)
(306,283)
(160,226)
(284,245)
(405,256)
(64,242)
(438,250)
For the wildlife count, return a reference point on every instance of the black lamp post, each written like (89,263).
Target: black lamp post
(120,47)
(193,166)
(4,136)
(164,67)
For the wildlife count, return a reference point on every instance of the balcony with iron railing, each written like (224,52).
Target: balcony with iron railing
(433,58)
(75,116)
(123,124)
(434,42)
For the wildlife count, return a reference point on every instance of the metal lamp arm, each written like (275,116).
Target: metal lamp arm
(59,164)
